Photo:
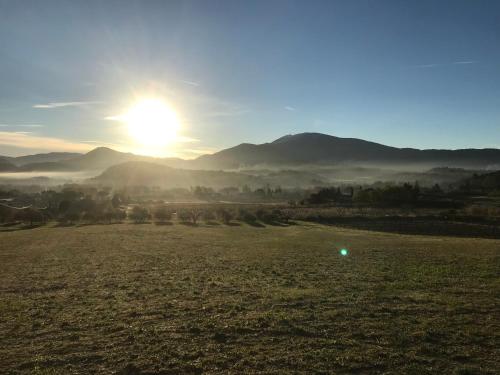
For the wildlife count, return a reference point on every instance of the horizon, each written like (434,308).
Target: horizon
(216,151)
(76,75)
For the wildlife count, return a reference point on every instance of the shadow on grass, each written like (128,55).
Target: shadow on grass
(12,228)
(188,223)
(212,223)
(163,223)
(64,225)
(6,225)
(255,224)
(233,224)
(275,223)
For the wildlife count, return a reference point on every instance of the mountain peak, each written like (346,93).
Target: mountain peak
(302,136)
(101,150)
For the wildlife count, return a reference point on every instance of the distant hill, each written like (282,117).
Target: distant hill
(137,173)
(7,166)
(41,158)
(286,152)
(101,158)
(316,148)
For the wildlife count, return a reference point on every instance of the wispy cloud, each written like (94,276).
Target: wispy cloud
(21,126)
(465,62)
(288,108)
(190,83)
(27,141)
(436,65)
(63,104)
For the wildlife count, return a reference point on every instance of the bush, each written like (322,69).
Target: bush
(208,216)
(266,216)
(89,217)
(120,215)
(194,215)
(183,215)
(30,216)
(139,214)
(71,217)
(224,215)
(162,213)
(246,216)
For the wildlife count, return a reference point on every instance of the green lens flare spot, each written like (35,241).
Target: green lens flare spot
(344,252)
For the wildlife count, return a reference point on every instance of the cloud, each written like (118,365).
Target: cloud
(21,125)
(62,104)
(426,66)
(27,141)
(464,62)
(190,83)
(288,108)
(435,65)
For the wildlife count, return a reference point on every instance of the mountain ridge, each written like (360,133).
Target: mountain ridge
(289,150)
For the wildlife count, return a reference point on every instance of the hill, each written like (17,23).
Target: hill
(286,152)
(40,158)
(7,166)
(316,148)
(135,173)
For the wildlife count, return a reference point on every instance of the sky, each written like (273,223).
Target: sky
(423,74)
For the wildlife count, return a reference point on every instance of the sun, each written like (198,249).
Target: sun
(152,123)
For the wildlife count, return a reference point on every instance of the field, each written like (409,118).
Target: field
(170,299)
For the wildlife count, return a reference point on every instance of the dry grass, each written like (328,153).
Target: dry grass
(179,299)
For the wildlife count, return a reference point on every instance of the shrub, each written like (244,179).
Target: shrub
(71,216)
(89,217)
(208,215)
(30,215)
(246,216)
(183,215)
(139,214)
(194,215)
(162,213)
(120,215)
(224,215)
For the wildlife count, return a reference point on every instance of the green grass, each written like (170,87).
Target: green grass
(180,299)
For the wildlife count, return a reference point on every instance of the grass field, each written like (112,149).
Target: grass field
(175,299)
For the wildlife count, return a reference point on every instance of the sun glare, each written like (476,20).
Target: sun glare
(152,123)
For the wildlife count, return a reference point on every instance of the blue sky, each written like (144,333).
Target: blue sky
(422,74)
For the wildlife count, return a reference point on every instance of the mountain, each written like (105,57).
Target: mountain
(42,158)
(98,159)
(6,165)
(289,151)
(101,158)
(316,148)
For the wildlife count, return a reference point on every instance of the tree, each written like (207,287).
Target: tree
(194,215)
(31,215)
